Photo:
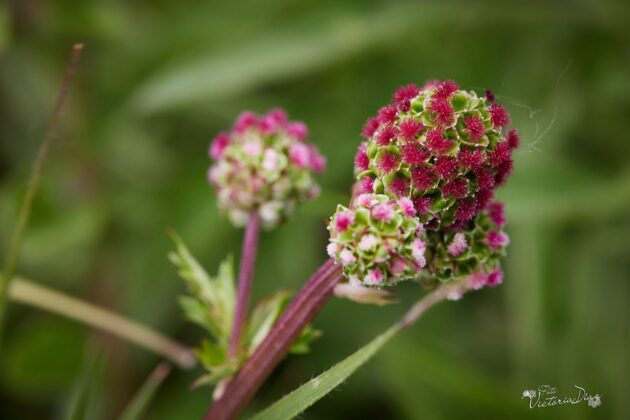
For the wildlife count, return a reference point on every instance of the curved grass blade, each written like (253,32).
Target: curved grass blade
(308,394)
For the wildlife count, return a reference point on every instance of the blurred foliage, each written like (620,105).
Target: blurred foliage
(159,79)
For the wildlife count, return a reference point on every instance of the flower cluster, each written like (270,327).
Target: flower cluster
(442,147)
(264,164)
(468,257)
(378,241)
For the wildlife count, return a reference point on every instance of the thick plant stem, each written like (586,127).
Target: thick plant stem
(15,246)
(245,280)
(32,294)
(302,309)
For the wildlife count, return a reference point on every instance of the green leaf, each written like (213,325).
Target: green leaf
(212,302)
(308,394)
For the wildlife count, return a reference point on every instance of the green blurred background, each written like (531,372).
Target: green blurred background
(159,79)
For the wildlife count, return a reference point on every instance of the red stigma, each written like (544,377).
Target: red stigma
(388,162)
(399,187)
(361,160)
(443,111)
(406,93)
(445,89)
(409,129)
(471,159)
(446,167)
(386,135)
(456,188)
(387,114)
(436,143)
(413,154)
(422,177)
(513,140)
(498,115)
(474,128)
(370,127)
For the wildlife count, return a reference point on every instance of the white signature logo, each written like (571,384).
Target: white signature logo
(547,396)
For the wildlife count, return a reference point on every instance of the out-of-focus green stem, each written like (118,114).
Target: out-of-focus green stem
(139,403)
(15,246)
(32,294)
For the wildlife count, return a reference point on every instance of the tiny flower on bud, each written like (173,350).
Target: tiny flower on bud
(497,240)
(264,164)
(495,277)
(458,245)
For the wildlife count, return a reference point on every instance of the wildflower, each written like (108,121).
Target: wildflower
(383,244)
(446,151)
(263,164)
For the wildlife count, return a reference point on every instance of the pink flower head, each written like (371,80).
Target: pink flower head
(422,177)
(347,257)
(497,240)
(445,89)
(300,155)
(361,160)
(386,135)
(483,198)
(446,168)
(474,128)
(364,200)
(399,186)
(332,249)
(443,111)
(471,159)
(503,172)
(387,114)
(407,206)
(495,277)
(388,162)
(417,250)
(245,121)
(458,245)
(436,143)
(413,154)
(297,130)
(477,280)
(513,140)
(465,210)
(383,211)
(422,205)
(496,213)
(501,154)
(317,160)
(457,188)
(368,242)
(370,127)
(218,145)
(367,185)
(406,93)
(398,267)
(374,277)
(344,220)
(498,115)
(485,179)
(410,128)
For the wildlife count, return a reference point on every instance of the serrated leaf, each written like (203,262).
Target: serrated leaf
(215,296)
(308,394)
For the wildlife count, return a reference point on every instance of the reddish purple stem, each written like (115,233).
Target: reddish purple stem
(245,280)
(302,309)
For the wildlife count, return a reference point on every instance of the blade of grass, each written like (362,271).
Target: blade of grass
(32,294)
(139,403)
(15,246)
(308,394)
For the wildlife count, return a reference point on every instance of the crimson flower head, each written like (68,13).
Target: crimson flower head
(445,148)
(264,164)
